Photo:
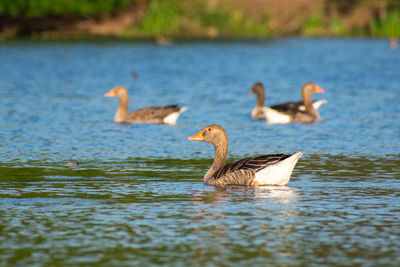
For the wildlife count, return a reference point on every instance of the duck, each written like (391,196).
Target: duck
(155,115)
(290,111)
(272,169)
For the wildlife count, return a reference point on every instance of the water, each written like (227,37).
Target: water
(137,197)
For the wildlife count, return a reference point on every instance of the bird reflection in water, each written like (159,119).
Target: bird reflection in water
(394,44)
(222,214)
(276,194)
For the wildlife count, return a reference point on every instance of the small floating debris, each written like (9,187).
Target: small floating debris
(72,163)
(162,40)
(134,74)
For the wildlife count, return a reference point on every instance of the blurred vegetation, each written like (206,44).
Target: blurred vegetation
(174,18)
(314,26)
(336,28)
(197,18)
(387,27)
(41,8)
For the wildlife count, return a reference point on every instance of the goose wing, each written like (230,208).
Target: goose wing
(153,114)
(242,172)
(238,177)
(296,106)
(288,107)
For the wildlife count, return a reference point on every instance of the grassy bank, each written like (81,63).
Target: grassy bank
(174,18)
(43,8)
(201,18)
(387,27)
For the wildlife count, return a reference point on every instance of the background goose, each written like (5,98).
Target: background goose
(260,111)
(274,169)
(158,114)
(305,111)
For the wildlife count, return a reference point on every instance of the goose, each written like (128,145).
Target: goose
(157,114)
(290,111)
(273,169)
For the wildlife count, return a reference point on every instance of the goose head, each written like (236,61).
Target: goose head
(118,91)
(258,89)
(214,134)
(311,88)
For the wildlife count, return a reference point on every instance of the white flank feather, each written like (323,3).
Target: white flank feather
(274,116)
(173,117)
(278,174)
(315,104)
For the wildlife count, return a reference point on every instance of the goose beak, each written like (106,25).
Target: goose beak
(319,89)
(110,93)
(197,137)
(251,92)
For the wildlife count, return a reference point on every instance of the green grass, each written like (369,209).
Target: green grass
(174,18)
(194,18)
(313,26)
(336,28)
(41,8)
(387,27)
(161,18)
(240,26)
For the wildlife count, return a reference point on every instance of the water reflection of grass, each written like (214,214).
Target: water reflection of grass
(192,170)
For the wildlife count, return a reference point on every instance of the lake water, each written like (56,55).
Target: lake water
(137,197)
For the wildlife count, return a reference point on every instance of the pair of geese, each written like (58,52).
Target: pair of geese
(273,169)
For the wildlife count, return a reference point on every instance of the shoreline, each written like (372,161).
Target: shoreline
(170,20)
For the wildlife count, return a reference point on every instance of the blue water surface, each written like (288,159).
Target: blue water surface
(137,197)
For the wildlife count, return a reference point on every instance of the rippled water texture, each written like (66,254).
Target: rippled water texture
(137,198)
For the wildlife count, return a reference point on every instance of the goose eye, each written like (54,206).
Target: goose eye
(209,129)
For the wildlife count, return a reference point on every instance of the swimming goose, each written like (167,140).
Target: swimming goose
(274,169)
(159,114)
(305,111)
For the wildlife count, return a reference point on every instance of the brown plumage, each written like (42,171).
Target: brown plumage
(157,114)
(250,171)
(287,107)
(258,110)
(243,172)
